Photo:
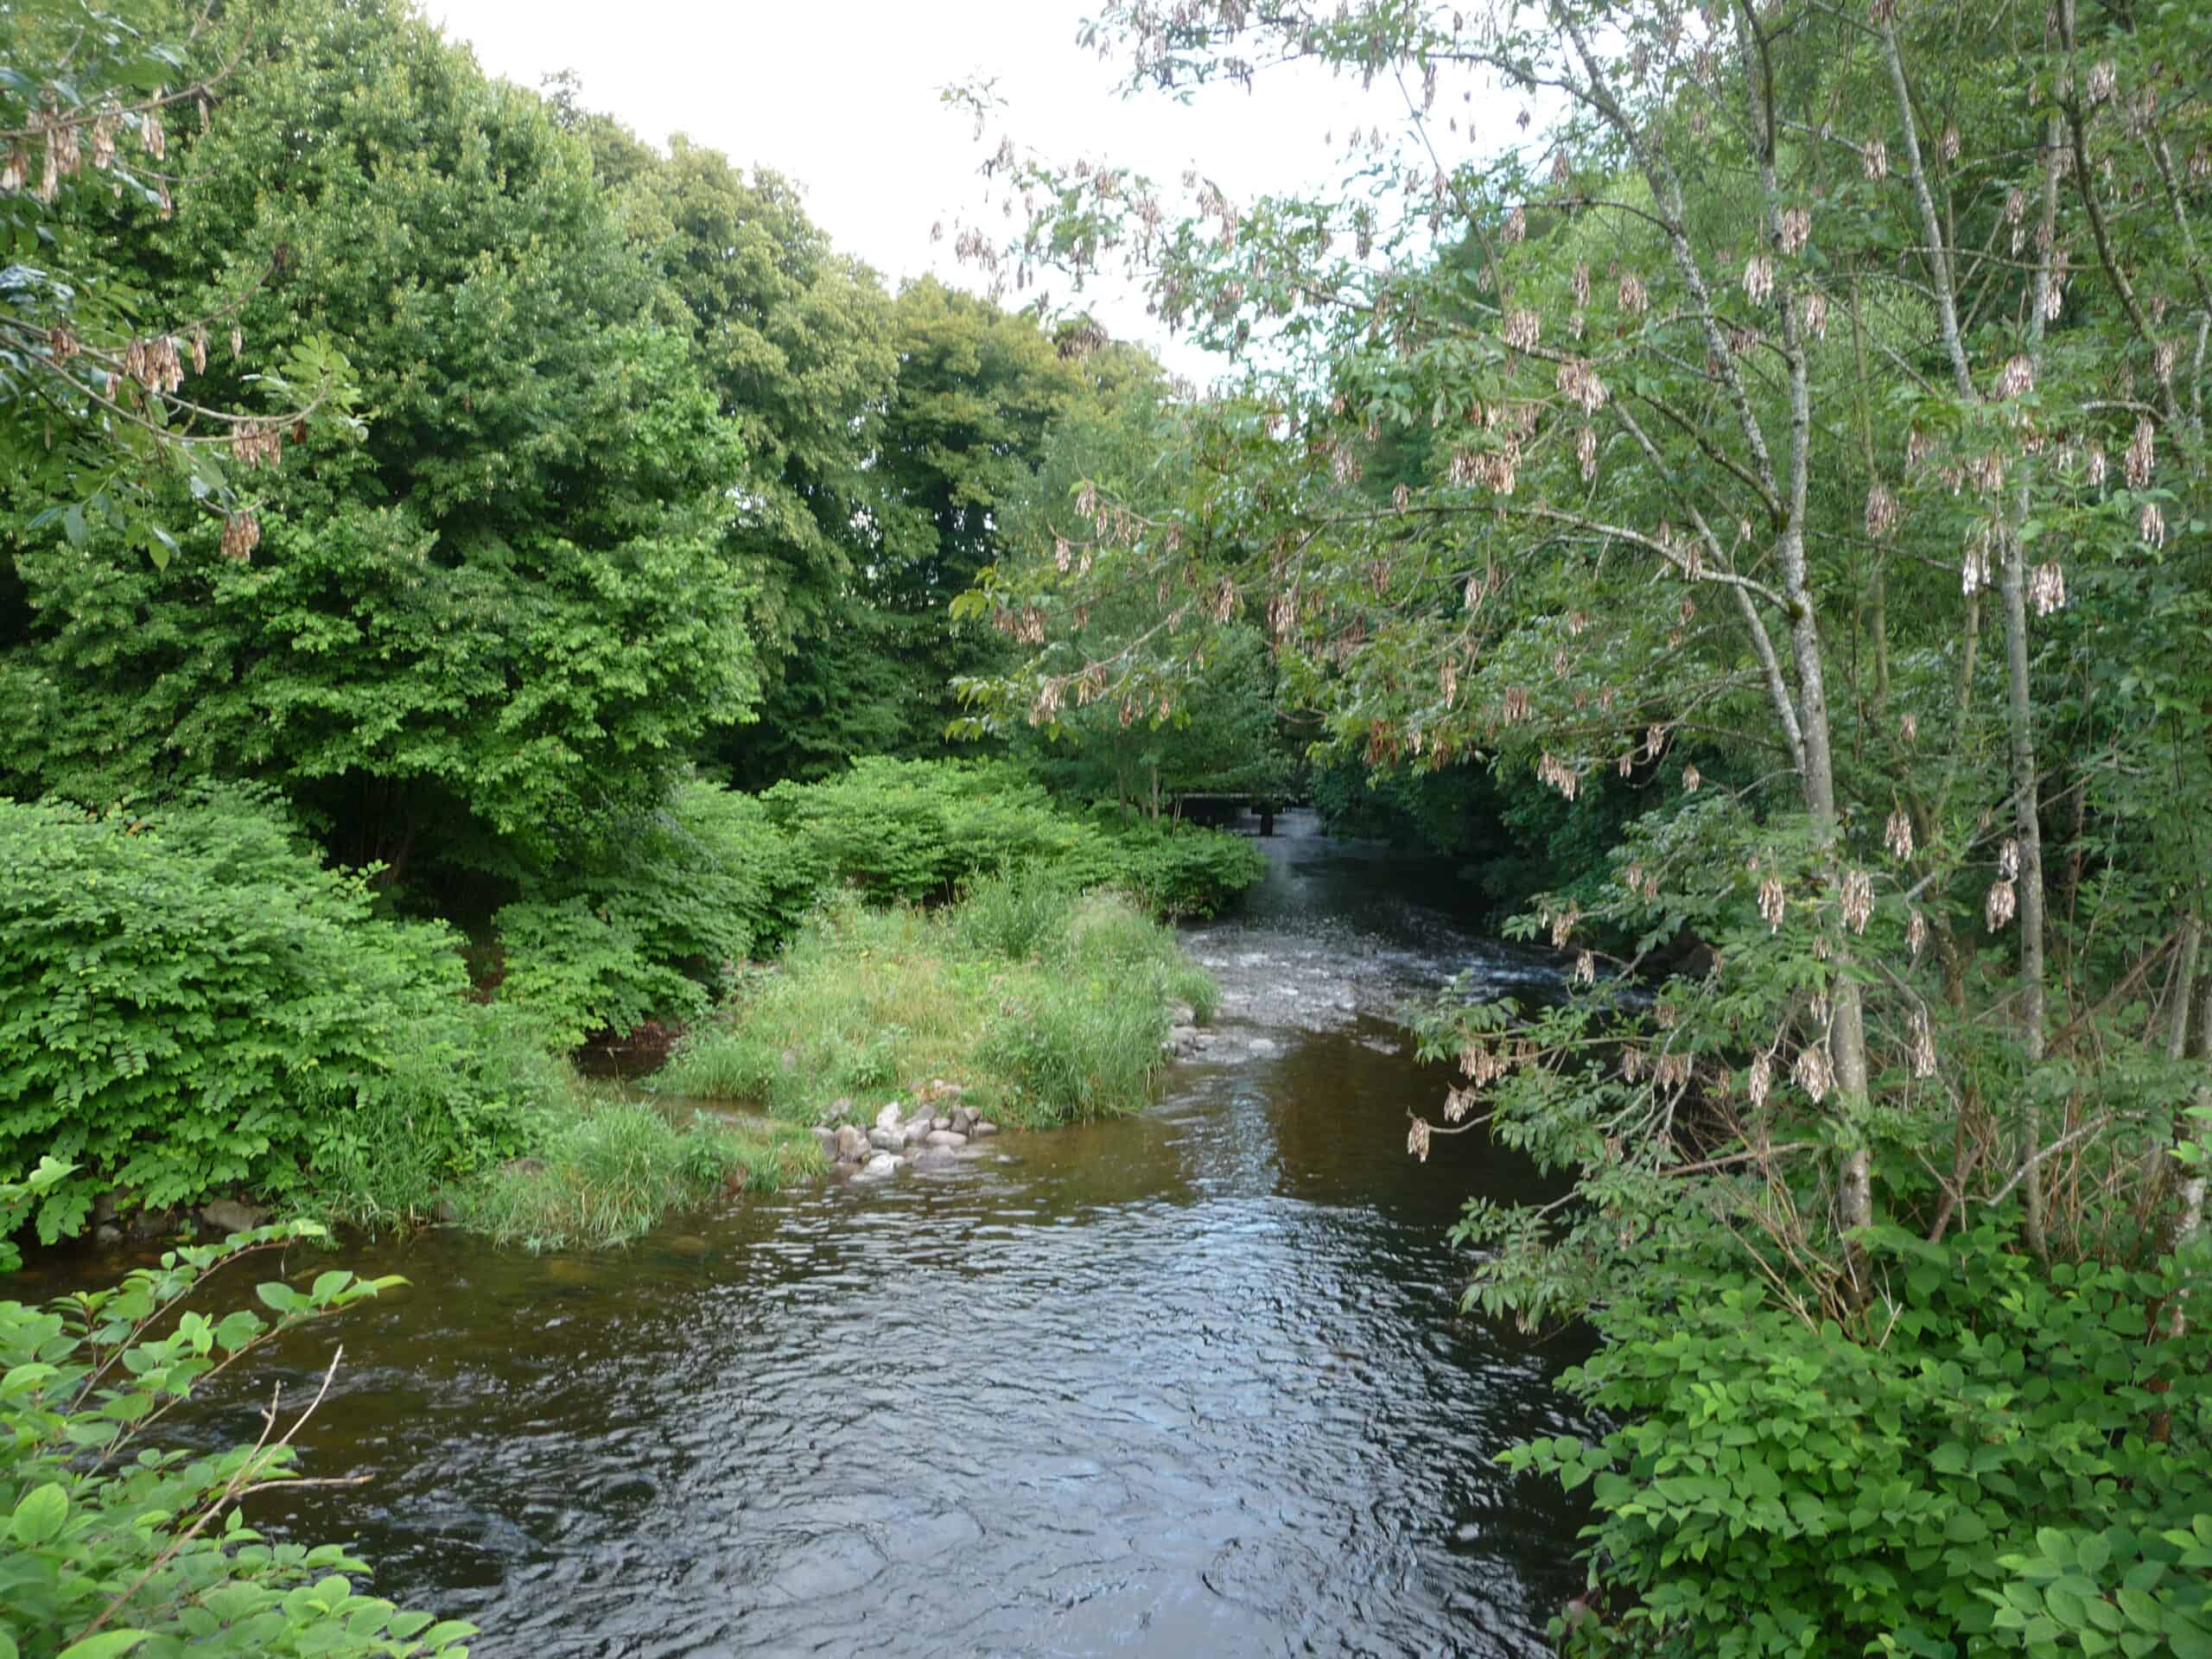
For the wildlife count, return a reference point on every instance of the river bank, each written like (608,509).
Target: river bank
(1185,1380)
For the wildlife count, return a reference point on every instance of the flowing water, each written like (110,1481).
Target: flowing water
(1192,1382)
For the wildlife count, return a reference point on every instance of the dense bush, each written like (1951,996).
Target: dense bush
(914,830)
(114,1545)
(911,830)
(656,923)
(1177,869)
(190,1003)
(2019,1466)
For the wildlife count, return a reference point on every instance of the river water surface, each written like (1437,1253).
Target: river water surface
(1192,1382)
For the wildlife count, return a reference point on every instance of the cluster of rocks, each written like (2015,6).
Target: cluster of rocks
(1184,1037)
(115,1217)
(937,1131)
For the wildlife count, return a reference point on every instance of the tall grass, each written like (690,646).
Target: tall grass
(1043,1004)
(608,1173)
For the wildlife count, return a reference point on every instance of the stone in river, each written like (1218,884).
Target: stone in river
(852,1145)
(962,1120)
(229,1216)
(888,1117)
(950,1137)
(886,1140)
(877,1168)
(983,1126)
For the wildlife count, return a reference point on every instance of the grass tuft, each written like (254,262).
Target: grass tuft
(607,1174)
(1045,1005)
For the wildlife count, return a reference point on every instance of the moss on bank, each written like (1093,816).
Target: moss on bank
(1043,1004)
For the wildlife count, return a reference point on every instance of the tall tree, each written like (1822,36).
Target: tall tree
(510,607)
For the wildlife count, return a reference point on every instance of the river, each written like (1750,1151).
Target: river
(1190,1382)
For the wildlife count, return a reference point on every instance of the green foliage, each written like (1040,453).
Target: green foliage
(605,1175)
(190,1004)
(1176,870)
(97,437)
(1017,913)
(654,922)
(1044,1005)
(112,1545)
(913,831)
(512,605)
(2017,1466)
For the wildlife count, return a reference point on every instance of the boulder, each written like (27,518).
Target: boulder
(229,1216)
(940,1122)
(881,1164)
(888,1117)
(983,1126)
(884,1139)
(962,1120)
(912,1133)
(945,1138)
(852,1145)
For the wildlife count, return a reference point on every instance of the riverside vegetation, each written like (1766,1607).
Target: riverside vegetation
(477,584)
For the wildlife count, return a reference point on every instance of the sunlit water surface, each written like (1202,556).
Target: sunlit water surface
(1192,1382)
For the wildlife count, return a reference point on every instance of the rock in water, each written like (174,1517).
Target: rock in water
(886,1140)
(229,1216)
(944,1138)
(852,1145)
(880,1165)
(983,1126)
(913,1132)
(888,1117)
(962,1120)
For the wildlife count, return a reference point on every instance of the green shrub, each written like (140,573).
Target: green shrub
(2020,1465)
(655,924)
(451,1110)
(112,1545)
(191,1004)
(916,830)
(912,830)
(605,1175)
(1178,869)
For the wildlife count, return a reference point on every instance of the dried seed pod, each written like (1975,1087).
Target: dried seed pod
(1814,1073)
(1998,909)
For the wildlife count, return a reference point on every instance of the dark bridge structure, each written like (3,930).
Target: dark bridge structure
(1218,810)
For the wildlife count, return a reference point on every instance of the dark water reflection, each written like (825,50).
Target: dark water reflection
(1189,1383)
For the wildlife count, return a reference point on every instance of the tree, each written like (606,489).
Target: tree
(1797,421)
(97,425)
(1129,442)
(510,607)
(964,428)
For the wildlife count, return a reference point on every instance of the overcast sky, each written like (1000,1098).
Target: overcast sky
(842,96)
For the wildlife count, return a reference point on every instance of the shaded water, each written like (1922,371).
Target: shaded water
(1190,1382)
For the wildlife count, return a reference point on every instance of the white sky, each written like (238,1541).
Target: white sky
(842,96)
